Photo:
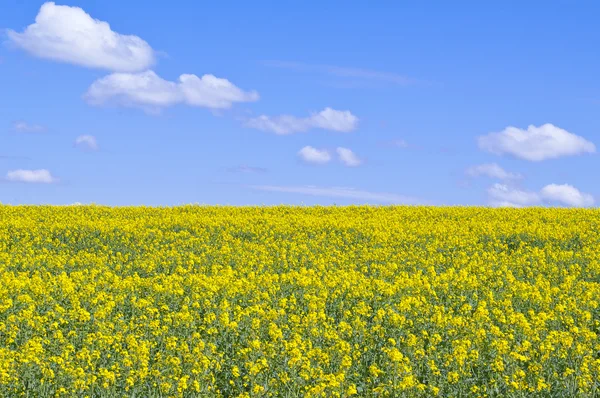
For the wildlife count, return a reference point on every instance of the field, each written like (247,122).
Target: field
(299,301)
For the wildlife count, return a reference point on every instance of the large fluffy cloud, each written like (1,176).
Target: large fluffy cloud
(69,34)
(567,194)
(327,119)
(150,91)
(536,143)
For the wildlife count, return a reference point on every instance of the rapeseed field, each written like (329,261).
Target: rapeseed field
(197,301)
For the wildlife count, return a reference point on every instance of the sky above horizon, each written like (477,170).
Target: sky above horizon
(264,103)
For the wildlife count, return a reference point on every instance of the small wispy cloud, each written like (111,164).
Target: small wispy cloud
(86,142)
(340,192)
(502,195)
(344,72)
(491,170)
(41,176)
(14,157)
(24,127)
(348,158)
(246,169)
(397,143)
(327,119)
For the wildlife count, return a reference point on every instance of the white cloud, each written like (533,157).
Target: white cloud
(149,91)
(327,119)
(313,155)
(330,119)
(566,194)
(503,195)
(30,176)
(284,124)
(209,91)
(69,34)
(348,157)
(86,142)
(340,192)
(145,89)
(491,170)
(24,127)
(536,143)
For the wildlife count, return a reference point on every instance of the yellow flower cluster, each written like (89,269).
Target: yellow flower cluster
(299,301)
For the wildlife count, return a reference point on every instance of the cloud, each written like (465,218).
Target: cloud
(566,194)
(41,176)
(313,155)
(246,169)
(86,142)
(504,195)
(356,73)
(348,157)
(209,91)
(281,125)
(340,192)
(24,127)
(149,91)
(330,119)
(327,119)
(536,143)
(69,34)
(492,170)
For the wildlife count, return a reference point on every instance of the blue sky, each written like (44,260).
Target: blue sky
(141,103)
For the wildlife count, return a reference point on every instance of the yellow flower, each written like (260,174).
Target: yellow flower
(306,300)
(351,390)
